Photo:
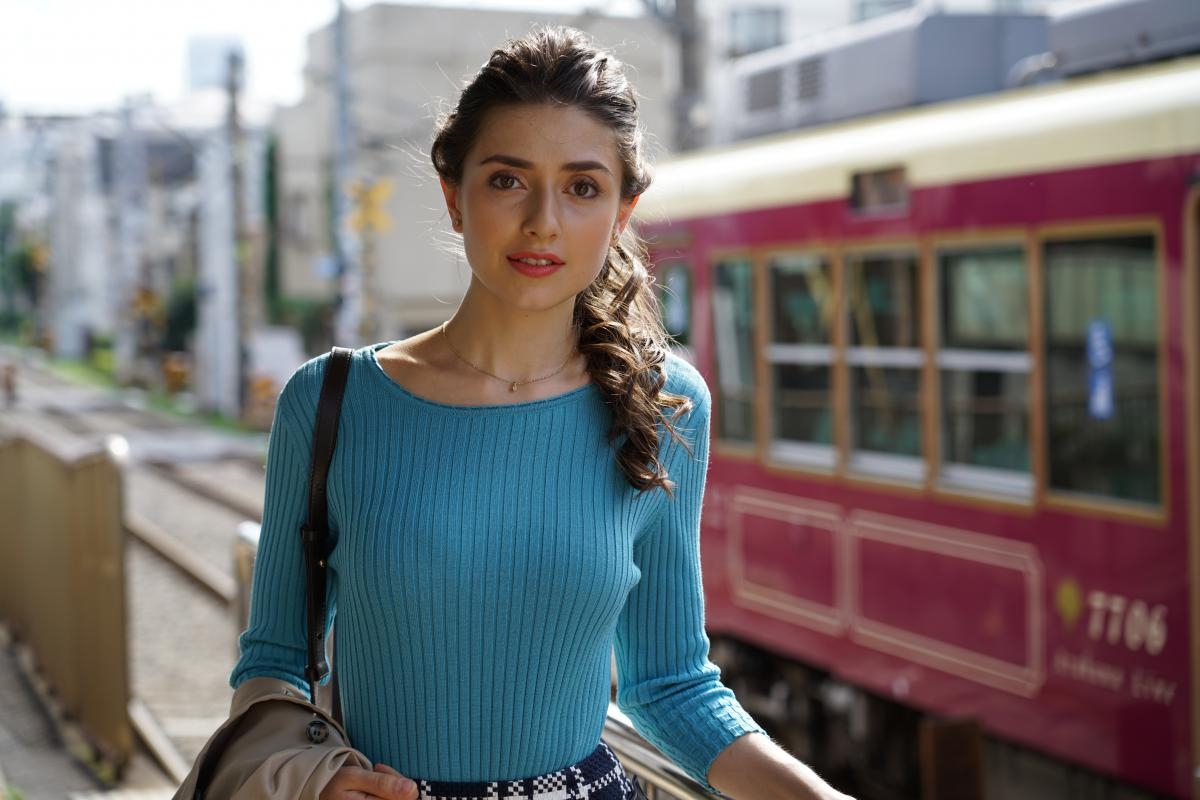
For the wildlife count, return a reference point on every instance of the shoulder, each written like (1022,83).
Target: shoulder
(684,379)
(297,402)
(693,424)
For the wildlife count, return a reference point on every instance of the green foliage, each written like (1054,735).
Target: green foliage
(272,292)
(21,268)
(84,372)
(180,316)
(19,274)
(101,357)
(312,318)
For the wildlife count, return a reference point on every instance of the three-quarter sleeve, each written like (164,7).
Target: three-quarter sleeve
(273,644)
(666,684)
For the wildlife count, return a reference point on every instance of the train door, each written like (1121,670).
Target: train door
(1192,349)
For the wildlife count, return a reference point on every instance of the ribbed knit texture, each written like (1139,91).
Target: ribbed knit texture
(486,561)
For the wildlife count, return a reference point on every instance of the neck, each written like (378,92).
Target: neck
(516,346)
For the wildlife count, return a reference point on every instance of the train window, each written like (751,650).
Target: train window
(885,358)
(733,327)
(879,190)
(675,294)
(801,357)
(984,364)
(1102,381)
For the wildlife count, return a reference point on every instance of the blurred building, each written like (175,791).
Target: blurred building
(81,297)
(406,64)
(735,29)
(25,165)
(937,51)
(134,208)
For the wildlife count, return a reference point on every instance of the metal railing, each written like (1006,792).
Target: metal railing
(660,778)
(62,583)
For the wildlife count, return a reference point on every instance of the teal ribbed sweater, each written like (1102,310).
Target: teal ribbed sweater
(486,561)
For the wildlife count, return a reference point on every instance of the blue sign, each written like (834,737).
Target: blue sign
(1100,378)
(325,266)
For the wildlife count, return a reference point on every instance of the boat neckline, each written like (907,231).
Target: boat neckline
(524,405)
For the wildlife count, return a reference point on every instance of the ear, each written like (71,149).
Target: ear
(625,213)
(450,192)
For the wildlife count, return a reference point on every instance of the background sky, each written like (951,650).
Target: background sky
(73,56)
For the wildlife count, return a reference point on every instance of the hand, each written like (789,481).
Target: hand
(382,783)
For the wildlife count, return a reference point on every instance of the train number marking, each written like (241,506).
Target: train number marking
(1115,619)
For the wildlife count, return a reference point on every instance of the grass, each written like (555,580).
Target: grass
(93,373)
(82,372)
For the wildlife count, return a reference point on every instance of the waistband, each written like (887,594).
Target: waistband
(600,776)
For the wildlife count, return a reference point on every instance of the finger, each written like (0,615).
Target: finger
(355,782)
(388,785)
(387,769)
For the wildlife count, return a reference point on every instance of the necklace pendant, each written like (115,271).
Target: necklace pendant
(513,388)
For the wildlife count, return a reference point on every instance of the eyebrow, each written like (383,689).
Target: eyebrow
(520,163)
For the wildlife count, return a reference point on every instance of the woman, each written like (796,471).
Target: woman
(519,488)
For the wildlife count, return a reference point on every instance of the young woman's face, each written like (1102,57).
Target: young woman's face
(539,202)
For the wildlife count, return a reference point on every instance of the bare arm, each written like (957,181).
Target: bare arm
(753,767)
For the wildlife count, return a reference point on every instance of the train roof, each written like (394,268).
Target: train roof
(1147,112)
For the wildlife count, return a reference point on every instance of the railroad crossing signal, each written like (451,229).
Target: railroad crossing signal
(145,303)
(368,212)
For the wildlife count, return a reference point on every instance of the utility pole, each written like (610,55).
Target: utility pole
(350,288)
(130,190)
(682,20)
(241,262)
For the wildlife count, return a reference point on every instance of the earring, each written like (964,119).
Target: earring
(616,238)
(456,221)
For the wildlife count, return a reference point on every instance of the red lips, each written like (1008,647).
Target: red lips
(523,263)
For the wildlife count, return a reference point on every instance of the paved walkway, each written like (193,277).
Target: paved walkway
(34,762)
(31,756)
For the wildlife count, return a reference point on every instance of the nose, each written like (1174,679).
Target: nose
(541,215)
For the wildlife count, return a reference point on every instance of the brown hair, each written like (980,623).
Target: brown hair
(621,335)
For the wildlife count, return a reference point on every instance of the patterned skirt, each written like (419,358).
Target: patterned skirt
(600,776)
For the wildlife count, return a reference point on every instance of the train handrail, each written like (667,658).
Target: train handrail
(646,762)
(638,755)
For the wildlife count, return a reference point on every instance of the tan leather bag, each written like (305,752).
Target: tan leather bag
(275,744)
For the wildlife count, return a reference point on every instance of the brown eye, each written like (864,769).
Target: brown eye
(584,189)
(504,181)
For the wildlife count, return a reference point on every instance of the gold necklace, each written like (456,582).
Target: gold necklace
(512,384)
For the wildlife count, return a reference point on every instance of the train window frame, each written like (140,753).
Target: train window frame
(879,192)
(748,446)
(663,271)
(859,461)
(954,475)
(795,452)
(1079,500)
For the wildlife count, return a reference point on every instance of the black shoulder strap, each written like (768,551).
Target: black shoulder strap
(314,534)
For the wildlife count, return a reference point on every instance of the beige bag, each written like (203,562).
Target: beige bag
(275,744)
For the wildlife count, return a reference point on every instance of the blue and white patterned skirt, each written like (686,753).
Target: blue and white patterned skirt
(600,776)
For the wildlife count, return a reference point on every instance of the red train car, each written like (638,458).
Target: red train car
(954,357)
